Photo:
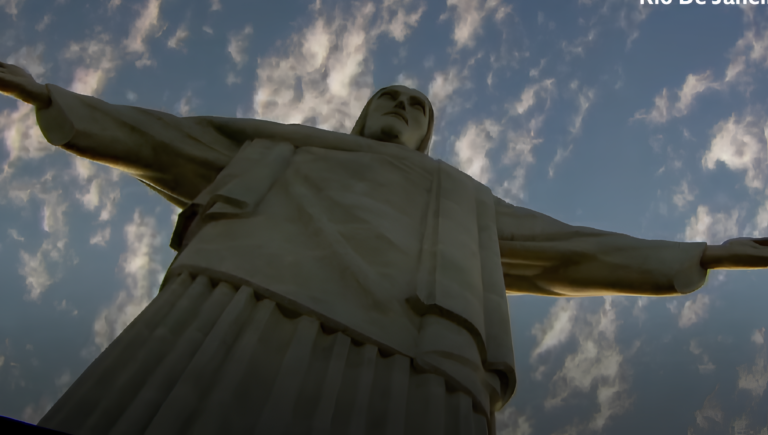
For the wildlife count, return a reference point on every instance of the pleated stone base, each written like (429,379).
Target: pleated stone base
(215,360)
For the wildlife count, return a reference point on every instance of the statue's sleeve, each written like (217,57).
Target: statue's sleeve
(175,156)
(543,256)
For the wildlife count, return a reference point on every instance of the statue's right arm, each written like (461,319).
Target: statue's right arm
(177,156)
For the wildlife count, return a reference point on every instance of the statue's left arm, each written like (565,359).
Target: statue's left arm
(543,256)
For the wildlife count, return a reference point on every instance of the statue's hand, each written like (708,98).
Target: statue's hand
(739,253)
(17,83)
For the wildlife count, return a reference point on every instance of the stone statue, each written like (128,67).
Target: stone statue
(329,282)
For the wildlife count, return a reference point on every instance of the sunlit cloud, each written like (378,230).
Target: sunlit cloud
(556,328)
(754,378)
(185,105)
(510,421)
(740,143)
(99,188)
(98,61)
(562,153)
(471,147)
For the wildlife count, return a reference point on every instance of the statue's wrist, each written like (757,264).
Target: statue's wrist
(714,256)
(42,97)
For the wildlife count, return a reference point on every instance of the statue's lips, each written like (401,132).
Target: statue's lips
(399,115)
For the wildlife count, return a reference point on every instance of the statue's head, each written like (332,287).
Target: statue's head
(397,114)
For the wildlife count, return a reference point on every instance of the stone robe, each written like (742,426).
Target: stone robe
(382,243)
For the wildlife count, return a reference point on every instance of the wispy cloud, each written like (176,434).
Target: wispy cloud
(215,5)
(12,7)
(562,153)
(396,18)
(324,75)
(714,228)
(98,59)
(471,147)
(185,105)
(178,38)
(694,310)
(556,328)
(468,18)
(598,362)
(139,265)
(238,43)
(543,89)
(443,86)
(663,110)
(683,195)
(147,25)
(99,187)
(754,378)
(711,410)
(44,22)
(584,97)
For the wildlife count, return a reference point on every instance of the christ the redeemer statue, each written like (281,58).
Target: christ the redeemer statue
(330,283)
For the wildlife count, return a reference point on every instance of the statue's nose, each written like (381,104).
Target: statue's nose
(400,105)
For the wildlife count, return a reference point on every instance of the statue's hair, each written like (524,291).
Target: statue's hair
(359,127)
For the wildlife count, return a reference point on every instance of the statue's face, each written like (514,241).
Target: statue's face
(398,115)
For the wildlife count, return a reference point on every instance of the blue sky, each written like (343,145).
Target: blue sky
(646,120)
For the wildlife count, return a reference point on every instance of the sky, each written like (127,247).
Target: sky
(649,120)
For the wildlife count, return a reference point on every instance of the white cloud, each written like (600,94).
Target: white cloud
(517,158)
(207,29)
(562,153)
(577,46)
(324,77)
(396,20)
(44,22)
(471,147)
(711,409)
(31,59)
(215,5)
(407,80)
(468,18)
(741,145)
(184,106)
(683,195)
(556,328)
(178,38)
(101,236)
(148,24)
(584,98)
(442,87)
(131,96)
(598,362)
(99,187)
(139,265)
(713,228)
(755,378)
(758,336)
(15,234)
(113,4)
(542,89)
(663,110)
(12,7)
(99,60)
(694,311)
(238,43)
(42,268)
(509,421)
(751,51)
(22,137)
(534,72)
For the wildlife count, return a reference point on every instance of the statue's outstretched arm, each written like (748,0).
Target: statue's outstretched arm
(543,256)
(177,156)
